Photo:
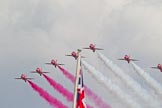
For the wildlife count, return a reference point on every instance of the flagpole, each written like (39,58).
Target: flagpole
(76,78)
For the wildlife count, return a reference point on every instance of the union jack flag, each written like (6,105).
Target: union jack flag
(80,92)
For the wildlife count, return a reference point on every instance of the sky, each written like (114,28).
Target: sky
(33,32)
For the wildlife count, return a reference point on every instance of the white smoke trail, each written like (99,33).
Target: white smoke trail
(136,87)
(151,81)
(111,86)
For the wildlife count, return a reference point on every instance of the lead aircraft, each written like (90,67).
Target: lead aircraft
(93,47)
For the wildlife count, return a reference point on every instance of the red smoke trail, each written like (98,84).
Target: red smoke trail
(67,94)
(61,89)
(67,74)
(97,100)
(51,100)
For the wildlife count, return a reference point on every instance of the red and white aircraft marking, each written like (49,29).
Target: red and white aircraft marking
(75,55)
(39,71)
(54,63)
(24,77)
(159,66)
(93,47)
(128,59)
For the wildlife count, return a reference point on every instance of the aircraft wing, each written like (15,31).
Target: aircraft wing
(45,72)
(30,78)
(17,78)
(99,49)
(33,72)
(154,67)
(83,57)
(121,59)
(86,48)
(68,55)
(61,64)
(134,60)
(48,63)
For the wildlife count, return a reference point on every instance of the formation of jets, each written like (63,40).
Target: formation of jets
(75,55)
(128,59)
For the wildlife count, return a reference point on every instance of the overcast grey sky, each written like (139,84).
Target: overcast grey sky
(33,32)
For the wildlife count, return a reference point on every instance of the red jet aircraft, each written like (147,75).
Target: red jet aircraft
(127,58)
(93,47)
(159,66)
(39,71)
(24,77)
(75,55)
(54,63)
